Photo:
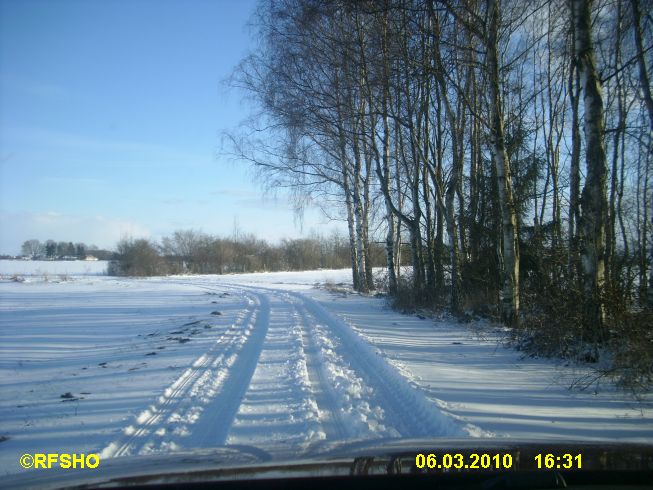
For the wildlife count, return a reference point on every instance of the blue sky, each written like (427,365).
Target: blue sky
(111,114)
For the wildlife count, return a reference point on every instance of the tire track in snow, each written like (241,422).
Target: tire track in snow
(300,369)
(181,403)
(392,405)
(330,411)
(358,395)
(352,410)
(305,368)
(279,410)
(212,429)
(366,395)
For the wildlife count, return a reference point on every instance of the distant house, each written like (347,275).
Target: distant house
(90,257)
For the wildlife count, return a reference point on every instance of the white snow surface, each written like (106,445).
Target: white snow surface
(51,269)
(122,366)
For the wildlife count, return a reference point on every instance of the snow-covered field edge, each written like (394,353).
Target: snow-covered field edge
(52,268)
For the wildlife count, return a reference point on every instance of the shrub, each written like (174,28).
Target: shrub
(137,258)
(553,325)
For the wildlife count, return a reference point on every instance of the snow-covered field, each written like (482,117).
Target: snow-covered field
(277,361)
(53,268)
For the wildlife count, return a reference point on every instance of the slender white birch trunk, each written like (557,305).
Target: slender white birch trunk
(509,294)
(594,203)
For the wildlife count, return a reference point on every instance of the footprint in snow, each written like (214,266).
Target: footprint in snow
(69,397)
(181,340)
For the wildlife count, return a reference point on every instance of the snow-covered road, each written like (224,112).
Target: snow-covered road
(128,366)
(285,375)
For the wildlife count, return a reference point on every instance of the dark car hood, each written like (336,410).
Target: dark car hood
(378,457)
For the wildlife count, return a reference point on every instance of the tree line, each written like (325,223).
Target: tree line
(52,250)
(507,143)
(194,252)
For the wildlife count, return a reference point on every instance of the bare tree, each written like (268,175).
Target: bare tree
(32,248)
(594,195)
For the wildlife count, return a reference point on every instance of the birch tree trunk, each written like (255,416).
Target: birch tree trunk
(369,273)
(646,291)
(574,170)
(594,203)
(344,169)
(509,294)
(392,232)
(456,172)
(644,78)
(350,226)
(610,232)
(358,218)
(361,191)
